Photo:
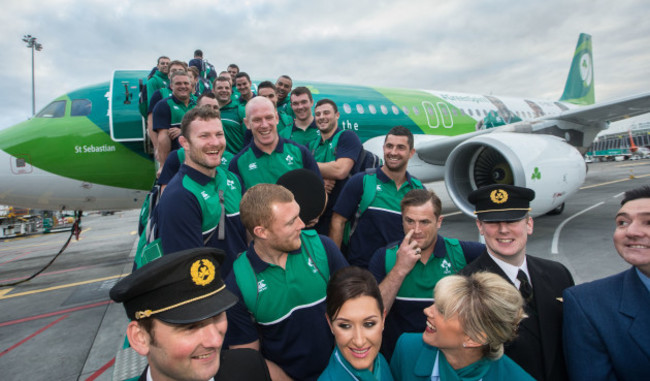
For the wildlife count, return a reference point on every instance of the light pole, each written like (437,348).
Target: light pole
(31,43)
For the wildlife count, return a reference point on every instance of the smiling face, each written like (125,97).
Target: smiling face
(326,118)
(222,91)
(357,329)
(632,234)
(283,85)
(181,87)
(262,119)
(442,333)
(204,145)
(507,239)
(244,87)
(301,106)
(397,152)
(186,352)
(269,94)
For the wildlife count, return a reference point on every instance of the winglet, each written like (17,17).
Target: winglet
(579,88)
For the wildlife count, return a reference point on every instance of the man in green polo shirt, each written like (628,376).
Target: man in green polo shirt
(304,130)
(233,125)
(408,270)
(281,283)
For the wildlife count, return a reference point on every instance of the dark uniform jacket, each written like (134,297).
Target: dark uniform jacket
(237,364)
(538,346)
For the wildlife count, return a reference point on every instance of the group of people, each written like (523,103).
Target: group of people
(245,289)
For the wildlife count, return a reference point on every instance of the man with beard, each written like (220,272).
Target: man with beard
(336,152)
(200,205)
(370,201)
(281,284)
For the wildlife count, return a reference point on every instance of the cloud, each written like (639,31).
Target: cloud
(505,47)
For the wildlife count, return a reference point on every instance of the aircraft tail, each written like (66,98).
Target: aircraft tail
(579,88)
(633,147)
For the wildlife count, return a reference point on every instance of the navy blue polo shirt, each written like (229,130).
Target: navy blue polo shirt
(381,223)
(417,292)
(169,112)
(300,342)
(254,166)
(184,222)
(157,96)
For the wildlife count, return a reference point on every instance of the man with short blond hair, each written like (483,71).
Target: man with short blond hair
(281,282)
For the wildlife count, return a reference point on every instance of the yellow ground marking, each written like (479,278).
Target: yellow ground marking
(613,182)
(5,296)
(5,291)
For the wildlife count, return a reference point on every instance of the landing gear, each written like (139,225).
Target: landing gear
(556,211)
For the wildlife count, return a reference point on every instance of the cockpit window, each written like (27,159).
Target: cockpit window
(55,109)
(81,107)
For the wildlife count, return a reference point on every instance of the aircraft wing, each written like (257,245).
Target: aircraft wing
(435,150)
(610,111)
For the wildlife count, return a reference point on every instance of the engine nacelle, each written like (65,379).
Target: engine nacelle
(547,164)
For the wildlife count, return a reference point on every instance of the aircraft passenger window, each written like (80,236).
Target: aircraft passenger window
(395,110)
(444,111)
(384,109)
(372,109)
(405,110)
(478,113)
(470,112)
(454,111)
(416,111)
(347,108)
(360,109)
(80,107)
(484,112)
(55,109)
(428,109)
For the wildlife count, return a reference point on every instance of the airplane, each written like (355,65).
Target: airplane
(87,150)
(641,152)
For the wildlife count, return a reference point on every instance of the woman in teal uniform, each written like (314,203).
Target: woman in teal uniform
(355,314)
(466,327)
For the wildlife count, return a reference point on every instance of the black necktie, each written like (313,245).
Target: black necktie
(525,288)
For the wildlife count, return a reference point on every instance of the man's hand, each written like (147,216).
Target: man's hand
(329,185)
(408,254)
(174,132)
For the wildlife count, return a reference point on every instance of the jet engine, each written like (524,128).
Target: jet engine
(547,164)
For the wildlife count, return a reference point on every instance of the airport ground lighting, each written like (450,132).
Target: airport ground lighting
(31,43)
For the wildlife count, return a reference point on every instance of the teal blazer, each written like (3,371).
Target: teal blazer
(414,360)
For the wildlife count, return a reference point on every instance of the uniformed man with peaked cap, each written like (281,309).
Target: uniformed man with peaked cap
(177,305)
(503,219)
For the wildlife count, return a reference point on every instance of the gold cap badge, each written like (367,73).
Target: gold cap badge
(202,272)
(499,196)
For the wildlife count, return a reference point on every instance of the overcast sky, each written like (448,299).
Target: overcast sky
(508,47)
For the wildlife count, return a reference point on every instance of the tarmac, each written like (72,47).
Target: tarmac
(61,325)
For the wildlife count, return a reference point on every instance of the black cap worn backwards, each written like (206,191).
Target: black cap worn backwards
(500,202)
(179,288)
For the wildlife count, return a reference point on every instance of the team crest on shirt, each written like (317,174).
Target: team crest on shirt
(223,160)
(231,184)
(446,267)
(289,159)
(261,285)
(205,195)
(252,166)
(378,188)
(311,265)
(175,107)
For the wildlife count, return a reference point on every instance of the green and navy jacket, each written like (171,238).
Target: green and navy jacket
(254,166)
(233,127)
(157,81)
(381,222)
(190,211)
(416,293)
(284,308)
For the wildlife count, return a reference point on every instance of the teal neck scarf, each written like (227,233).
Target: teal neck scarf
(472,372)
(363,374)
